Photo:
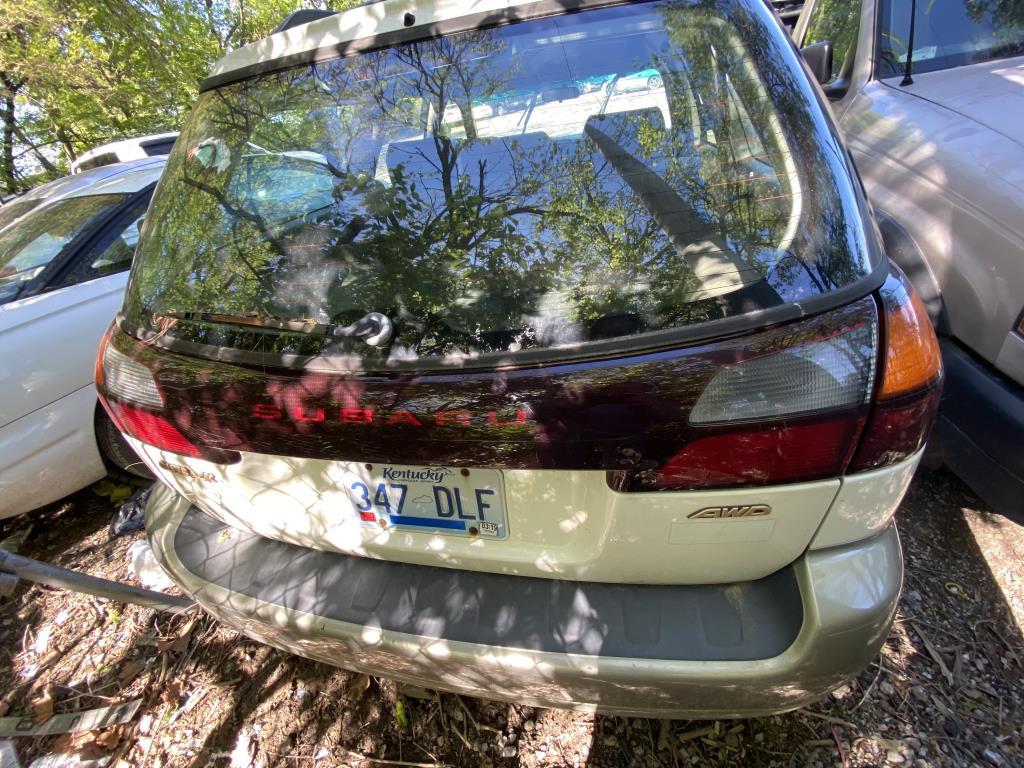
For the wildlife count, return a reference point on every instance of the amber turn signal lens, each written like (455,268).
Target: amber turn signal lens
(908,395)
(912,360)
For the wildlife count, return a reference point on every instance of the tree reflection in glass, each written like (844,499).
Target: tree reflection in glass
(554,182)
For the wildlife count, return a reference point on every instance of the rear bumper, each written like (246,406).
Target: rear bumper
(980,430)
(746,649)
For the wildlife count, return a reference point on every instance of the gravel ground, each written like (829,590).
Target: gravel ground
(944,691)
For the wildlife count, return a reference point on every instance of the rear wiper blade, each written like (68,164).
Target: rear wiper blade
(374,329)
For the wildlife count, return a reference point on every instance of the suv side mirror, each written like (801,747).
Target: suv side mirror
(819,58)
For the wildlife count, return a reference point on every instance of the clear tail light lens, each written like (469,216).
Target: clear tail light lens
(128,380)
(815,377)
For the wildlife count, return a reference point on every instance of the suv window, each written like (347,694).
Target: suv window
(838,22)
(948,33)
(97,161)
(535,186)
(31,244)
(113,251)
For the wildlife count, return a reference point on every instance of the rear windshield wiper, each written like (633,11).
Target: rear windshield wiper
(373,328)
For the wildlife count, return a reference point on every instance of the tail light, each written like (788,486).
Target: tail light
(792,414)
(132,397)
(806,412)
(911,381)
(844,391)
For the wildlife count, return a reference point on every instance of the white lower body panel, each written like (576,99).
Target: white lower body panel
(562,524)
(49,453)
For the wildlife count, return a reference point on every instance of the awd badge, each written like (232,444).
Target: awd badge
(716,513)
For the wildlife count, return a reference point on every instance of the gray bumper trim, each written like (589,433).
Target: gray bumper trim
(848,595)
(735,622)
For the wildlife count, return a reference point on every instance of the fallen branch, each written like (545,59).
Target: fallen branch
(839,747)
(472,719)
(381,761)
(696,733)
(158,723)
(934,653)
(830,719)
(870,688)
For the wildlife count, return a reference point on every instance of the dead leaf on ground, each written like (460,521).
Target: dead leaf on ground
(357,686)
(50,657)
(934,653)
(67,743)
(109,738)
(177,644)
(171,693)
(129,672)
(42,708)
(90,745)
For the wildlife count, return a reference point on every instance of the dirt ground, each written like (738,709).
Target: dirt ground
(945,690)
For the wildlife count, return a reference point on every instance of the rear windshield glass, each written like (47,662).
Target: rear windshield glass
(599,175)
(948,33)
(28,246)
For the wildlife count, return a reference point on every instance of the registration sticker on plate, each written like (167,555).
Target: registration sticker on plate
(460,502)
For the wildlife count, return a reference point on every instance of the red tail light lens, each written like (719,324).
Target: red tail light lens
(772,454)
(152,428)
(911,383)
(792,414)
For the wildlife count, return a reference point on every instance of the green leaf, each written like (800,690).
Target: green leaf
(400,716)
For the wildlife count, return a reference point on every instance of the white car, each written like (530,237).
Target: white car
(16,207)
(63,270)
(121,151)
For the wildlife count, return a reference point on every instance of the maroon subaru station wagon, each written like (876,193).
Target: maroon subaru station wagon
(544,352)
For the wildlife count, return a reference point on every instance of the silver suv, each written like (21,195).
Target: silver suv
(929,97)
(544,356)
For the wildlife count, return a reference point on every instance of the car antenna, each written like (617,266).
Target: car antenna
(907,79)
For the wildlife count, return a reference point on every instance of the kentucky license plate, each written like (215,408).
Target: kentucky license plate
(462,502)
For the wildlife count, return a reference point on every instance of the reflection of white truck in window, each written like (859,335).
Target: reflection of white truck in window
(562,109)
(941,153)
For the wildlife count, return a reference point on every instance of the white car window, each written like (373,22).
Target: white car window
(112,252)
(29,245)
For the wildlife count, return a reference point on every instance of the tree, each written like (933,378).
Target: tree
(78,73)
